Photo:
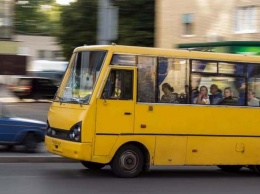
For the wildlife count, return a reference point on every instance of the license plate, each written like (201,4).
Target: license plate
(56,145)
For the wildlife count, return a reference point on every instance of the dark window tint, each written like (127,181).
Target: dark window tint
(119,85)
(146,79)
(121,59)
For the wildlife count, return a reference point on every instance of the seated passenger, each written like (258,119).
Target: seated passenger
(216,95)
(252,100)
(168,96)
(228,99)
(203,97)
(194,95)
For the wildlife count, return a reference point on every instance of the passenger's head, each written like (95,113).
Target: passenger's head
(204,90)
(213,89)
(167,88)
(250,94)
(227,92)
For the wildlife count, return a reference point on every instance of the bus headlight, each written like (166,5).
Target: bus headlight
(75,132)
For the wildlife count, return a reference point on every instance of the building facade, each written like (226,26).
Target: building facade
(207,23)
(6,18)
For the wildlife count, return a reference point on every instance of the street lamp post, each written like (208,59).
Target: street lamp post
(107,22)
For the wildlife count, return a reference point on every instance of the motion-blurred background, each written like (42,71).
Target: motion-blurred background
(37,37)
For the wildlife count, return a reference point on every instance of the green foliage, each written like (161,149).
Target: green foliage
(78,25)
(136,22)
(36,17)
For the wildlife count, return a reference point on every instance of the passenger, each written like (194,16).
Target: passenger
(241,99)
(216,95)
(252,100)
(184,97)
(203,97)
(194,95)
(228,98)
(168,96)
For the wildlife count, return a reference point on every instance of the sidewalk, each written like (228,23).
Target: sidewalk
(42,156)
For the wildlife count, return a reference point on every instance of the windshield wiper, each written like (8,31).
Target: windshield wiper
(60,99)
(79,100)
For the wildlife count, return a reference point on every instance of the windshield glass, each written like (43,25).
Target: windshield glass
(81,76)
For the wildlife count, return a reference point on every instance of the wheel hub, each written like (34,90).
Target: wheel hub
(129,161)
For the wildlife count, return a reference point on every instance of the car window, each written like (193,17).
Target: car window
(25,82)
(44,82)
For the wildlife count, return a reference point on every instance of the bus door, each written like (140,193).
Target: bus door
(115,106)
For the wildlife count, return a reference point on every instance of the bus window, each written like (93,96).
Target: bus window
(253,93)
(173,80)
(146,79)
(231,68)
(119,85)
(126,60)
(204,66)
(222,82)
(82,75)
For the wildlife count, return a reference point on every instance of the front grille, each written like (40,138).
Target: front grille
(58,133)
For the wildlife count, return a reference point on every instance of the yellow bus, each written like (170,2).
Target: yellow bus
(133,107)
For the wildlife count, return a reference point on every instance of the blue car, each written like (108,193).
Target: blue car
(20,131)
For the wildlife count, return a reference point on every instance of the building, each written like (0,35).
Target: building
(18,52)
(6,13)
(39,47)
(222,26)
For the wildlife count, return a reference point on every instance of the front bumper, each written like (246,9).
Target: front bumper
(73,150)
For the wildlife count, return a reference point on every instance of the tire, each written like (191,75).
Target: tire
(92,165)
(30,143)
(230,168)
(128,162)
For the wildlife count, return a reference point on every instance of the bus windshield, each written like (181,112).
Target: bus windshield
(82,74)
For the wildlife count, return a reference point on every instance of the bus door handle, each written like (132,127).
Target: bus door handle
(128,113)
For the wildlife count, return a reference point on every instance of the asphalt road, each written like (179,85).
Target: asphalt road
(68,178)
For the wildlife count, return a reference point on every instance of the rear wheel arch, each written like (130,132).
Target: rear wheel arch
(144,151)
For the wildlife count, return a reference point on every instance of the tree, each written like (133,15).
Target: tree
(36,17)
(136,22)
(78,25)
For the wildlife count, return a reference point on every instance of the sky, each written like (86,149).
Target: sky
(64,2)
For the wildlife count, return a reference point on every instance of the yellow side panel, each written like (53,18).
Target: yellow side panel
(147,141)
(222,150)
(187,119)
(170,150)
(104,144)
(112,118)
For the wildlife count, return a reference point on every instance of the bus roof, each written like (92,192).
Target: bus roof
(172,53)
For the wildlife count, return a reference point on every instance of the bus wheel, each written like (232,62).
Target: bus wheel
(92,165)
(230,168)
(128,162)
